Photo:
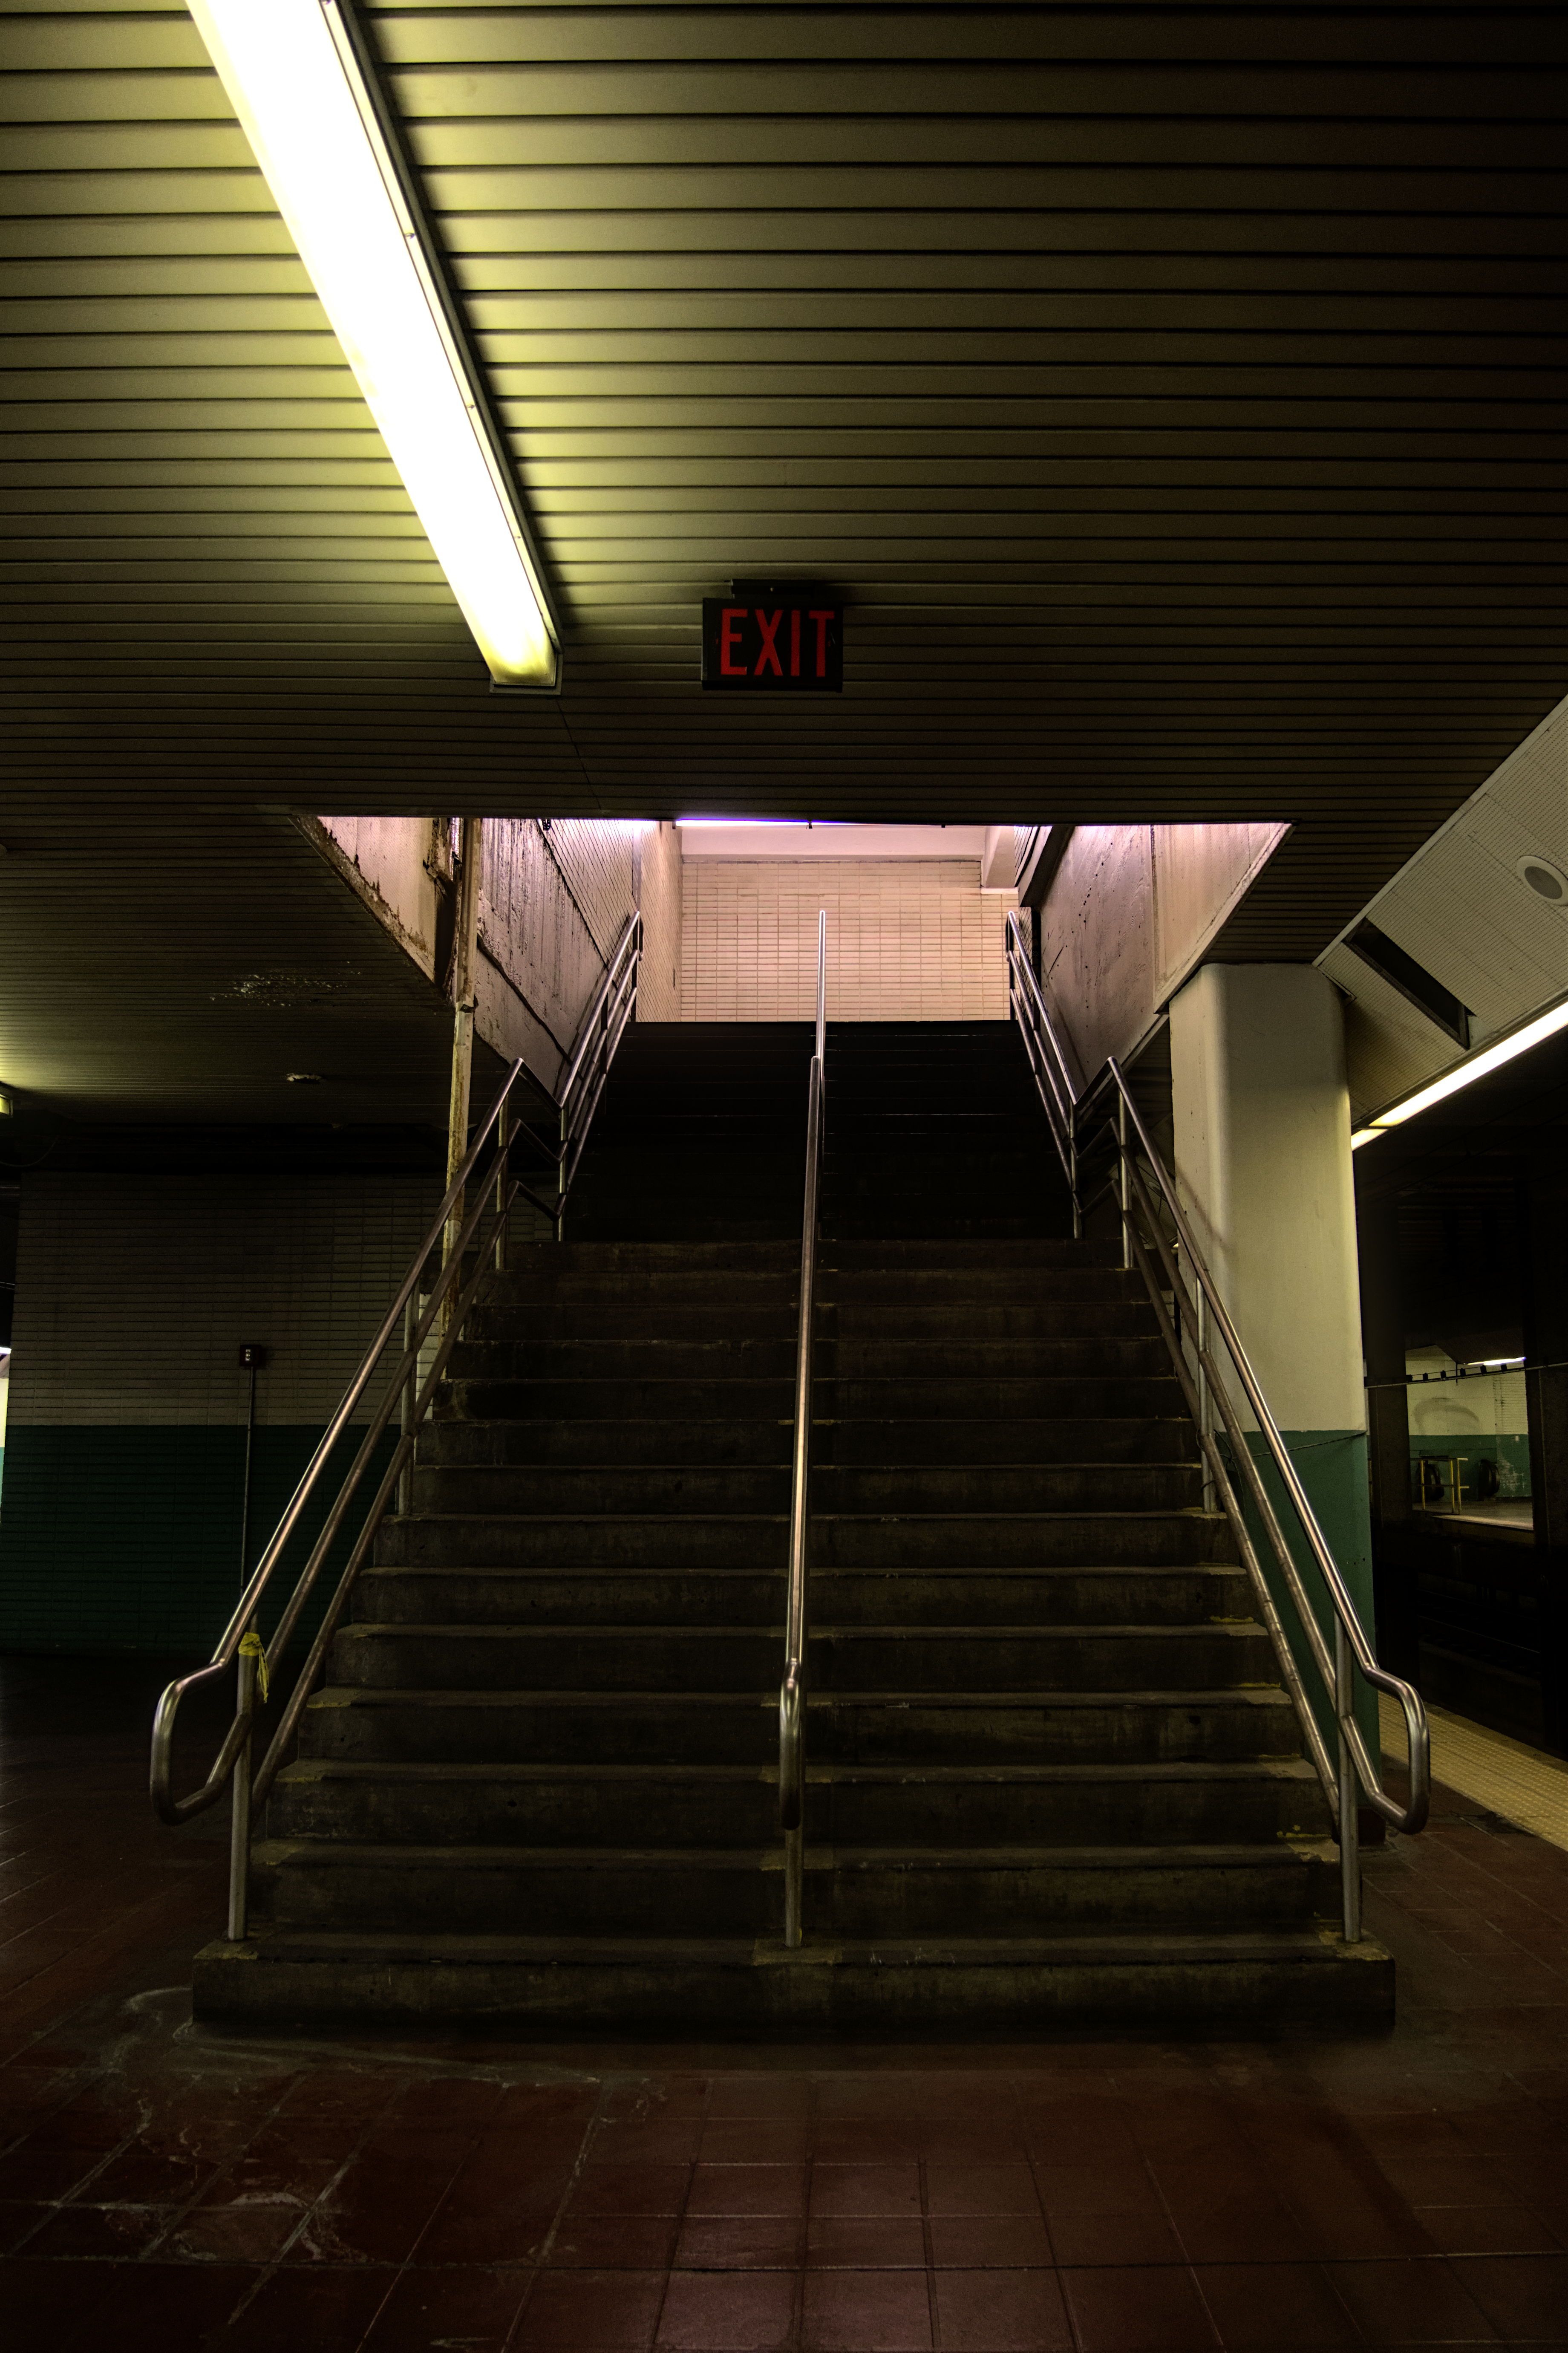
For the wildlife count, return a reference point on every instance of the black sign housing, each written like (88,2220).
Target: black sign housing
(774,643)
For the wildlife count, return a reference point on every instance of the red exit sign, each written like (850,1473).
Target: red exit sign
(765,640)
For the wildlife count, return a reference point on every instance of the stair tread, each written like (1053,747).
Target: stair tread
(901,1628)
(379,1772)
(526,1569)
(637,1519)
(336,1696)
(1312,1945)
(1281,1854)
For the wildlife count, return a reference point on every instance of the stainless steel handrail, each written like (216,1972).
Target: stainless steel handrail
(1048,1062)
(1210,1392)
(240,1641)
(792,1690)
(582,1081)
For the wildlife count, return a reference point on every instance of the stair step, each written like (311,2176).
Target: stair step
(670,1596)
(726,1540)
(874,1357)
(719,1658)
(923,1397)
(834,1443)
(731,1805)
(361,1724)
(850,1890)
(837,1489)
(753,1989)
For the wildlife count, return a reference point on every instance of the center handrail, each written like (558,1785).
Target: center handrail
(1198,1317)
(792,1690)
(582,1082)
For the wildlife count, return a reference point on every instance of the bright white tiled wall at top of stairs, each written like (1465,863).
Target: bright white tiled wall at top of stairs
(908,940)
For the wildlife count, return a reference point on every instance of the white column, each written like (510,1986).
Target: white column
(1263,1162)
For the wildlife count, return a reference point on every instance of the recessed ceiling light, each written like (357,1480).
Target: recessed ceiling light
(1507,1048)
(1547,881)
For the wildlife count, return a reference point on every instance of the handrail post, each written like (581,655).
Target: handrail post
(1349,1826)
(240,1820)
(503,1155)
(1126,1197)
(405,1415)
(1205,1399)
(1073,1175)
(792,1690)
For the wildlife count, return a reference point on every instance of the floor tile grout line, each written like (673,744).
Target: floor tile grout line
(1027,2143)
(197,2195)
(56,2206)
(1177,2234)
(85,2078)
(115,1928)
(267,2272)
(590,2133)
(430,2220)
(1320,2263)
(802,2241)
(928,2247)
(680,2218)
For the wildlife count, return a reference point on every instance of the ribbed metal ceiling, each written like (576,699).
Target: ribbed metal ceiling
(1176,395)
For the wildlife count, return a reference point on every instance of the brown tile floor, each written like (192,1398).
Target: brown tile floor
(158,2187)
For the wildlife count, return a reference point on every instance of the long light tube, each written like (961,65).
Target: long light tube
(1479,1065)
(291,75)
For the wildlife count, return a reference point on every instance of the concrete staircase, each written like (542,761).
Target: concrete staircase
(1052,1778)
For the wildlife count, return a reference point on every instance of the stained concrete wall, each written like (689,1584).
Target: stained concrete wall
(1128,917)
(553,897)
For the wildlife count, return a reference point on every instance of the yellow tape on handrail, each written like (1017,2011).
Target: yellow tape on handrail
(251,1646)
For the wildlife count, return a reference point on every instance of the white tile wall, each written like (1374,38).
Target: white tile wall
(908,940)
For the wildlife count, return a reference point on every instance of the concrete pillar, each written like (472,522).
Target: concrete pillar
(1263,1162)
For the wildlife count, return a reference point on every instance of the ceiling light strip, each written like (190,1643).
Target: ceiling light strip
(304,80)
(1531,1032)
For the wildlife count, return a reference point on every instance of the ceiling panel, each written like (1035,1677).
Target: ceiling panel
(1176,396)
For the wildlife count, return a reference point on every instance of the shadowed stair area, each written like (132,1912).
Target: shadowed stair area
(1053,1780)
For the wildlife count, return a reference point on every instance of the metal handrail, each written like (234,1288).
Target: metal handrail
(600,1031)
(1210,1392)
(1048,1062)
(792,1690)
(582,1081)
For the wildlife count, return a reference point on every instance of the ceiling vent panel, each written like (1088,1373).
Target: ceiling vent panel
(1390,1046)
(1464,914)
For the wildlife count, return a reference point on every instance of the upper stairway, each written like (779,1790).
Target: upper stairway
(1052,1777)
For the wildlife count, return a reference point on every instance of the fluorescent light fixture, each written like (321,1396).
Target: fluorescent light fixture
(295,81)
(1479,1065)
